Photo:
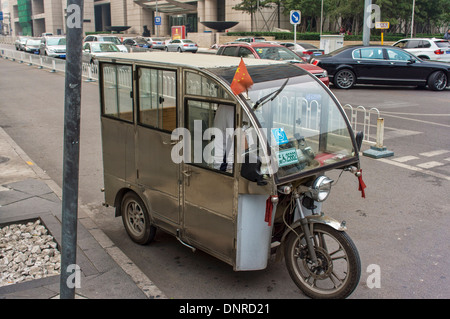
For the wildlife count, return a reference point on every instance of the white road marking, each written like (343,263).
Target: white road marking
(435,153)
(413,168)
(405,158)
(430,164)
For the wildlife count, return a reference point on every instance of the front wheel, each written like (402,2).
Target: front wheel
(437,81)
(338,268)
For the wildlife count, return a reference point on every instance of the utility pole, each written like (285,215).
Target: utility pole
(72,106)
(367,25)
(412,18)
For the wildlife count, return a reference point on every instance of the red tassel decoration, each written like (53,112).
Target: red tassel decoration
(361,184)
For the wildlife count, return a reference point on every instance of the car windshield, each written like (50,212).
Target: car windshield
(114,40)
(302,123)
(141,41)
(277,53)
(103,47)
(56,41)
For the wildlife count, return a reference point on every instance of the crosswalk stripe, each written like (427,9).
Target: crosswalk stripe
(405,158)
(434,153)
(430,164)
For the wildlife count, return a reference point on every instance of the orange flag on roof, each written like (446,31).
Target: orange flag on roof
(242,80)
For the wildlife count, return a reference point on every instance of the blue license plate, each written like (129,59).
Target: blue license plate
(62,56)
(318,53)
(448,52)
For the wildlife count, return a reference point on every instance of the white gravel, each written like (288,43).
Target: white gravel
(27,252)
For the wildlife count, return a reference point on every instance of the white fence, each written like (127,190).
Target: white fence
(44,62)
(362,119)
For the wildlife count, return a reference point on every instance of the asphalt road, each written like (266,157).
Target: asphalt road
(400,228)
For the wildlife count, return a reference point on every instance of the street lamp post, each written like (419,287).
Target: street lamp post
(321,18)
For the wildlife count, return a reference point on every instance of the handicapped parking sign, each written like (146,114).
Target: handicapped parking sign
(295,16)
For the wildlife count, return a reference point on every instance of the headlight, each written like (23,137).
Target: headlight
(321,188)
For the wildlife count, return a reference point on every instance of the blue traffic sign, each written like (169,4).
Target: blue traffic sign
(158,20)
(295,16)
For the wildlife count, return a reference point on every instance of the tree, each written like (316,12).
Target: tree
(251,6)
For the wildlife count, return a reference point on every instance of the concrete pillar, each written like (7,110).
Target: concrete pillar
(200,15)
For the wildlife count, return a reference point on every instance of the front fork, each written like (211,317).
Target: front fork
(305,227)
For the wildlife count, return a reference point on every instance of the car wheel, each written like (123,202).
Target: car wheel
(136,219)
(344,79)
(437,81)
(179,50)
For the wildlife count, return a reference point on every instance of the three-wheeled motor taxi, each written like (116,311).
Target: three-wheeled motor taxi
(238,175)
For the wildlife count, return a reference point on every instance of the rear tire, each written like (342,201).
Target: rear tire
(344,79)
(437,81)
(136,219)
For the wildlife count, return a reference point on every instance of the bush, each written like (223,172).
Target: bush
(315,36)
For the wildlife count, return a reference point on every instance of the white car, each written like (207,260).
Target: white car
(426,49)
(181,45)
(94,49)
(106,38)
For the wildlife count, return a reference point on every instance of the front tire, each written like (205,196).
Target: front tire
(339,269)
(437,81)
(344,79)
(136,219)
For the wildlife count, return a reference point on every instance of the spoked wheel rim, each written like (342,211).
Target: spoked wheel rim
(345,79)
(337,272)
(441,81)
(135,218)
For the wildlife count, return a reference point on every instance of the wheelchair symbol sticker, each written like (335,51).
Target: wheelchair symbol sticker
(279,135)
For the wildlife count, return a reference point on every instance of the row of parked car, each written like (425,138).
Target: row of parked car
(407,62)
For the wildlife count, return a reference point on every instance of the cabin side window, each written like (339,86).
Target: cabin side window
(157,94)
(117,88)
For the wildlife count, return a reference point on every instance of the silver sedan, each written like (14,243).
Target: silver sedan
(181,45)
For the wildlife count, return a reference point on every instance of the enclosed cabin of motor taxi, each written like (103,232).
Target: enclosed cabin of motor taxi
(204,160)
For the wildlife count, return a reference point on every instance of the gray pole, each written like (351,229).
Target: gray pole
(412,18)
(367,22)
(72,103)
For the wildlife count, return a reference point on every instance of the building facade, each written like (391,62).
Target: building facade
(33,17)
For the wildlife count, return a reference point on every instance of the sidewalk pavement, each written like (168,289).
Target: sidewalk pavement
(27,193)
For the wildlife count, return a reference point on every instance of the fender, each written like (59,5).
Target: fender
(312,219)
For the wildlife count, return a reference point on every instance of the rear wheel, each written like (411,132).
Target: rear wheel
(339,267)
(136,219)
(437,81)
(344,79)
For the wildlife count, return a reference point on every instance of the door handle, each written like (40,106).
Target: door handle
(187,174)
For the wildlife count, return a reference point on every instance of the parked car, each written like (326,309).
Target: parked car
(426,49)
(157,43)
(54,47)
(383,65)
(182,45)
(91,50)
(262,50)
(305,50)
(251,39)
(106,38)
(32,45)
(20,43)
(137,44)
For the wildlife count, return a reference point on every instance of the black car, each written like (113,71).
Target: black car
(384,65)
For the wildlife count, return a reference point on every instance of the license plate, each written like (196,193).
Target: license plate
(287,157)
(62,55)
(448,52)
(318,53)
(145,46)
